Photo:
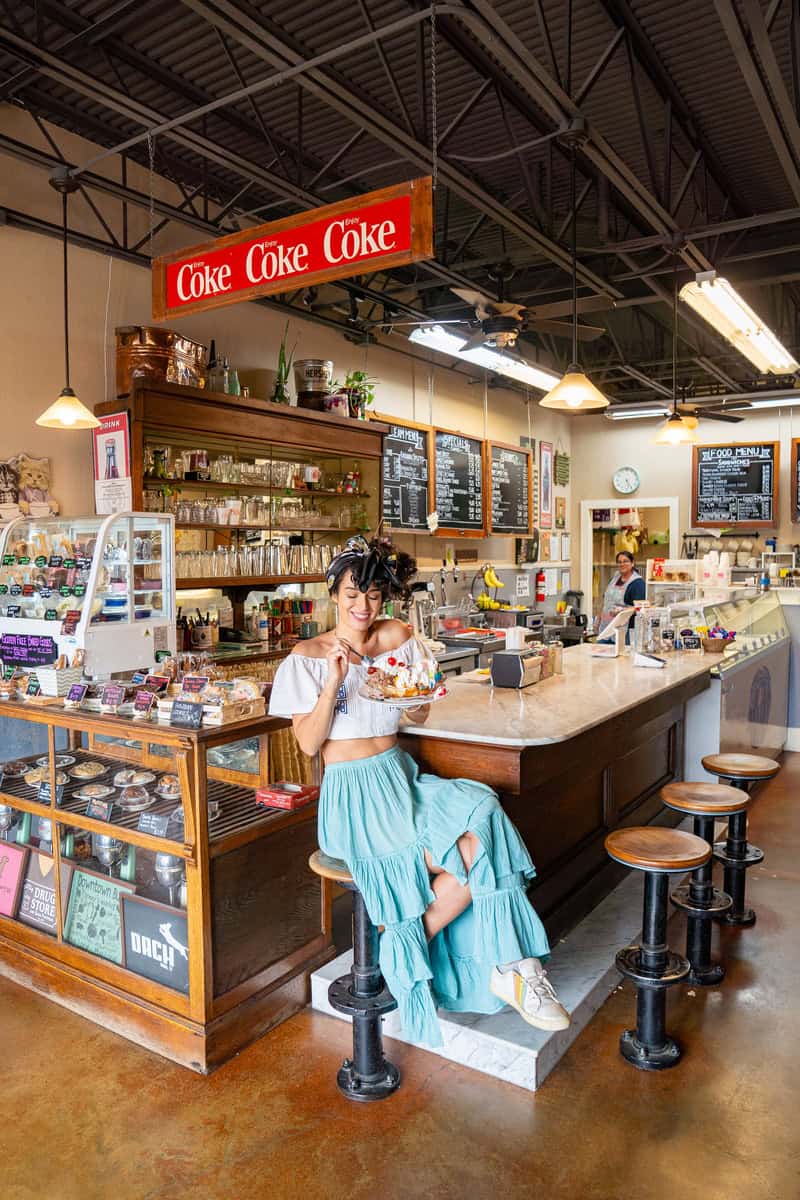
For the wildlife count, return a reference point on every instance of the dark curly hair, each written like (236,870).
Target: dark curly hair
(373,563)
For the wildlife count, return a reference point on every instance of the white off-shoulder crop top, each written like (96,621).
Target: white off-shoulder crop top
(299,681)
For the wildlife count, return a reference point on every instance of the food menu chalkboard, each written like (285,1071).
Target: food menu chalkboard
(458,481)
(795,484)
(406,471)
(509,488)
(735,485)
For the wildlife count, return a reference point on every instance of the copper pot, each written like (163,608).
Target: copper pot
(159,355)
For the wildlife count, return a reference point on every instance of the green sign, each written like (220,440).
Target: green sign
(40,561)
(93,916)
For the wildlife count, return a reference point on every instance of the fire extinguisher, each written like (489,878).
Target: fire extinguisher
(540,587)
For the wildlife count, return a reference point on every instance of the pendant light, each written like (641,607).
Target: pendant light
(676,430)
(67,412)
(575,392)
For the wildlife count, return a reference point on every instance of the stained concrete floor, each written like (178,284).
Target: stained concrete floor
(88,1116)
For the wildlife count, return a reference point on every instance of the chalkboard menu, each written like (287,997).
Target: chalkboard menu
(510,493)
(795,483)
(458,481)
(735,485)
(405,477)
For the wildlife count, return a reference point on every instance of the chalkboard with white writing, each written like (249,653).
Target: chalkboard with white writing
(509,489)
(735,485)
(458,481)
(406,471)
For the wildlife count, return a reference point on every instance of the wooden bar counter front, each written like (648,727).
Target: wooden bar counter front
(191,939)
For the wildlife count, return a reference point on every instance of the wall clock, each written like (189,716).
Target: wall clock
(626,480)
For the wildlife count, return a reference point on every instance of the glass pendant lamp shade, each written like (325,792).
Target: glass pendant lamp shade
(67,412)
(677,431)
(575,392)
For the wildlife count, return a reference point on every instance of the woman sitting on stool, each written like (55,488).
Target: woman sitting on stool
(437,861)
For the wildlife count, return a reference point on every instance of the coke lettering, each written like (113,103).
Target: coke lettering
(327,243)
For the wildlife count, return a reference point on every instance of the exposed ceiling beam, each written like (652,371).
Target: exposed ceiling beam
(781,126)
(253,30)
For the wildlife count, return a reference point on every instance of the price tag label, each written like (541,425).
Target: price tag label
(24,560)
(50,614)
(83,563)
(155,823)
(186,715)
(44,792)
(40,560)
(138,676)
(3,589)
(64,590)
(33,688)
(15,589)
(112,695)
(13,610)
(69,564)
(80,589)
(55,560)
(76,693)
(101,810)
(27,589)
(194,684)
(45,593)
(691,641)
(143,703)
(9,560)
(9,673)
(157,682)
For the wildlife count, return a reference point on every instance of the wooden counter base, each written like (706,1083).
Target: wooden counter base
(565,797)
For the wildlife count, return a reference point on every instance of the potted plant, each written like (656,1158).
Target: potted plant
(360,391)
(280,392)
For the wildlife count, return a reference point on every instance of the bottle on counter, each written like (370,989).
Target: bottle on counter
(217,378)
(263,622)
(234,387)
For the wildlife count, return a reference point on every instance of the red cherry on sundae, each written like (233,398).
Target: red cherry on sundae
(392,662)
(371,670)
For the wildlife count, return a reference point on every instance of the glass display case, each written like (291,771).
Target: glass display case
(90,592)
(144,868)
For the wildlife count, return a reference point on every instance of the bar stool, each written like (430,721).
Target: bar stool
(735,853)
(361,995)
(699,899)
(652,966)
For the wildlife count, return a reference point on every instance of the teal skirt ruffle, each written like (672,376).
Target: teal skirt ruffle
(380,815)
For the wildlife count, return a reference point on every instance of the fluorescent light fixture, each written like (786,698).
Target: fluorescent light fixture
(573,392)
(721,305)
(780,402)
(436,337)
(634,412)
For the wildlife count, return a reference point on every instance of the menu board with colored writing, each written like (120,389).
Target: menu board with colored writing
(458,481)
(406,471)
(795,480)
(509,488)
(735,485)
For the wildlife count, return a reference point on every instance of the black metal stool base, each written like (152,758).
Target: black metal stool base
(751,857)
(649,1058)
(344,1000)
(708,977)
(367,1087)
(719,902)
(629,964)
(740,920)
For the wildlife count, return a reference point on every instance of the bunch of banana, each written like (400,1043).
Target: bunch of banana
(490,578)
(485,602)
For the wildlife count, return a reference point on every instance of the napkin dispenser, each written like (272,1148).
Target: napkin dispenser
(515,668)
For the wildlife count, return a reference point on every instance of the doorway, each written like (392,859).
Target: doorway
(648,526)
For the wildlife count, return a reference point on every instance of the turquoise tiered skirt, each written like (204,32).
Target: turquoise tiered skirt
(380,814)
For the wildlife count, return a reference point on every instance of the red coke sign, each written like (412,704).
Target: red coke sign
(390,228)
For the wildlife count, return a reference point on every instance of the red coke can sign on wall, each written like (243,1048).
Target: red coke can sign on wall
(390,227)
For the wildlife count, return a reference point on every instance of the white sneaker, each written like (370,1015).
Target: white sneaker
(525,986)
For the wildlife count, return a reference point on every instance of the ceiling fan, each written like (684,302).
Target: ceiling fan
(699,412)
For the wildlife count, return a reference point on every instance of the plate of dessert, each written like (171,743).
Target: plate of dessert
(168,787)
(62,760)
(94,791)
(42,775)
(404,685)
(133,776)
(88,770)
(15,769)
(134,798)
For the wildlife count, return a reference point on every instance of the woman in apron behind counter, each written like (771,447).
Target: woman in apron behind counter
(625,588)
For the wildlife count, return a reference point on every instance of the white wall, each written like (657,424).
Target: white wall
(106,292)
(600,446)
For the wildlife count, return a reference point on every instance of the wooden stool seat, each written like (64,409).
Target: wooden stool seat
(651,848)
(741,766)
(704,799)
(330,868)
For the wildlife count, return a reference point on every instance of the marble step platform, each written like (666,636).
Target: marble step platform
(503,1045)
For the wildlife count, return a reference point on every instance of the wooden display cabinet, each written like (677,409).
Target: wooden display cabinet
(256,920)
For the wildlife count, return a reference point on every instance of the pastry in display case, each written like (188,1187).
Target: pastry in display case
(91,595)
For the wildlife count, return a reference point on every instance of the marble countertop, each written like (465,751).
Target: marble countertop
(590,691)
